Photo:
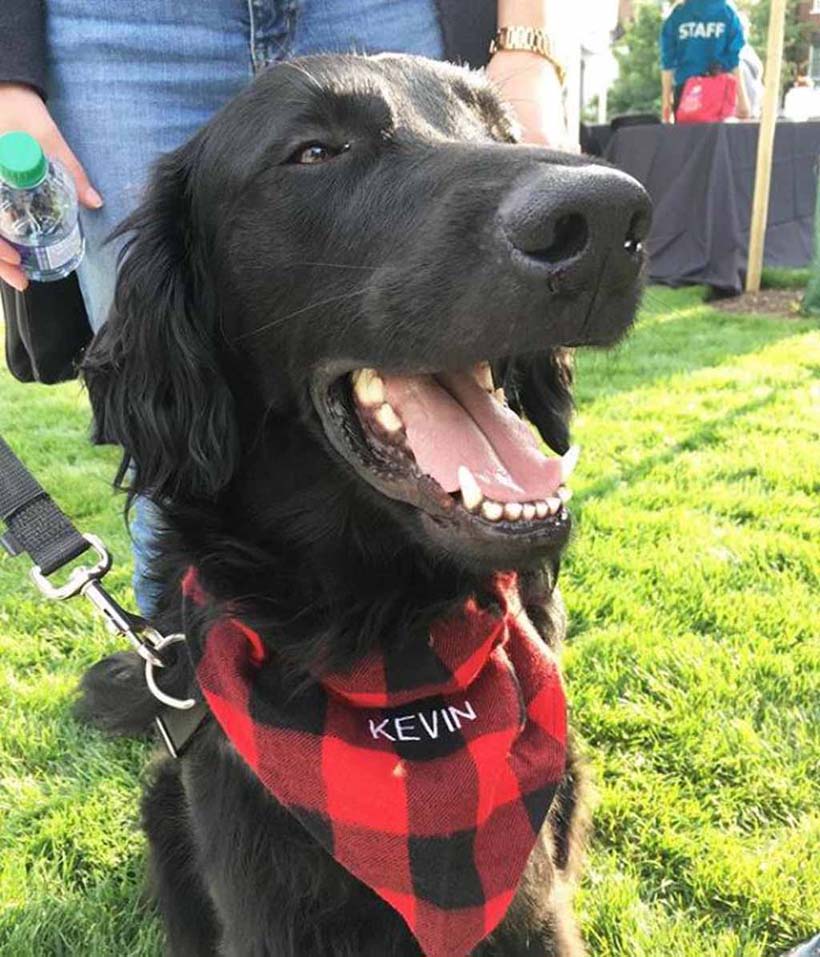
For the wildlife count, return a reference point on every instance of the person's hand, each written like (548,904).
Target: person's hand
(530,85)
(22,109)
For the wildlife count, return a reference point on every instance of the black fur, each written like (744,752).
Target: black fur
(244,275)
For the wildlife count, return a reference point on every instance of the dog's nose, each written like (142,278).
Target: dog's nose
(568,221)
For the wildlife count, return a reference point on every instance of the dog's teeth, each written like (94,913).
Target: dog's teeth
(554,505)
(471,494)
(492,511)
(568,462)
(369,387)
(528,512)
(500,396)
(541,509)
(564,493)
(484,375)
(388,419)
(513,510)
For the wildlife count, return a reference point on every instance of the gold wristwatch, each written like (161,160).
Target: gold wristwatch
(530,39)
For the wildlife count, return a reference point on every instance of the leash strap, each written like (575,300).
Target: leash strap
(36,526)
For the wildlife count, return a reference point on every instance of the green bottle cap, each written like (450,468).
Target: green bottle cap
(22,162)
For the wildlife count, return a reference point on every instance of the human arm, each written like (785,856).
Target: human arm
(743,109)
(735,41)
(667,96)
(22,107)
(528,81)
(669,60)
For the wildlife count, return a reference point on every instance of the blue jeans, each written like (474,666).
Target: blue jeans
(131,79)
(810,949)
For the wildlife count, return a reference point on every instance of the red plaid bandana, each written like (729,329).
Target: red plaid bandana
(427,775)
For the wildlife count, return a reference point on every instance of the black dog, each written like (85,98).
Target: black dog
(341,216)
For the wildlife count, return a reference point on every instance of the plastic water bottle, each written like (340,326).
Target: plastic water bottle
(38,209)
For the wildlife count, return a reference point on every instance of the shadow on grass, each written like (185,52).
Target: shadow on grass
(695,338)
(707,432)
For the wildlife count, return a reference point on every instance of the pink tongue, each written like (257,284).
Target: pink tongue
(451,420)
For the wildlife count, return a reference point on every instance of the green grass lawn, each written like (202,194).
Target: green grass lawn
(782,278)
(693,667)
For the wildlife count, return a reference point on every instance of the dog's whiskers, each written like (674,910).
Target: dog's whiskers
(339,265)
(296,312)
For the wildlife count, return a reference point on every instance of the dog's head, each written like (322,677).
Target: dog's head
(326,291)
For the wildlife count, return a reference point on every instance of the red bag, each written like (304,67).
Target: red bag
(707,99)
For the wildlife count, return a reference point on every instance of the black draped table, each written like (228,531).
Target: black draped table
(701,180)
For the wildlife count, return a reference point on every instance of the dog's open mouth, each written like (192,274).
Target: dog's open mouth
(457,429)
(449,444)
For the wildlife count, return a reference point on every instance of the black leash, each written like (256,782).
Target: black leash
(35,524)
(37,527)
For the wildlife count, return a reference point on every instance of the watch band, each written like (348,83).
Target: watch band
(531,40)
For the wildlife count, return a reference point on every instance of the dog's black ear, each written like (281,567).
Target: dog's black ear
(540,386)
(153,373)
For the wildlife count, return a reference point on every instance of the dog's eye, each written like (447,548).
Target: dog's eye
(317,153)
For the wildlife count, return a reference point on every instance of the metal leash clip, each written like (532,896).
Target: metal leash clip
(146,640)
(36,526)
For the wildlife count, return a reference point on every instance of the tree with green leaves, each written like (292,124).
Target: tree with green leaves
(795,46)
(638,87)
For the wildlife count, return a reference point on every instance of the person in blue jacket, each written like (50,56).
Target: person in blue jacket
(699,38)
